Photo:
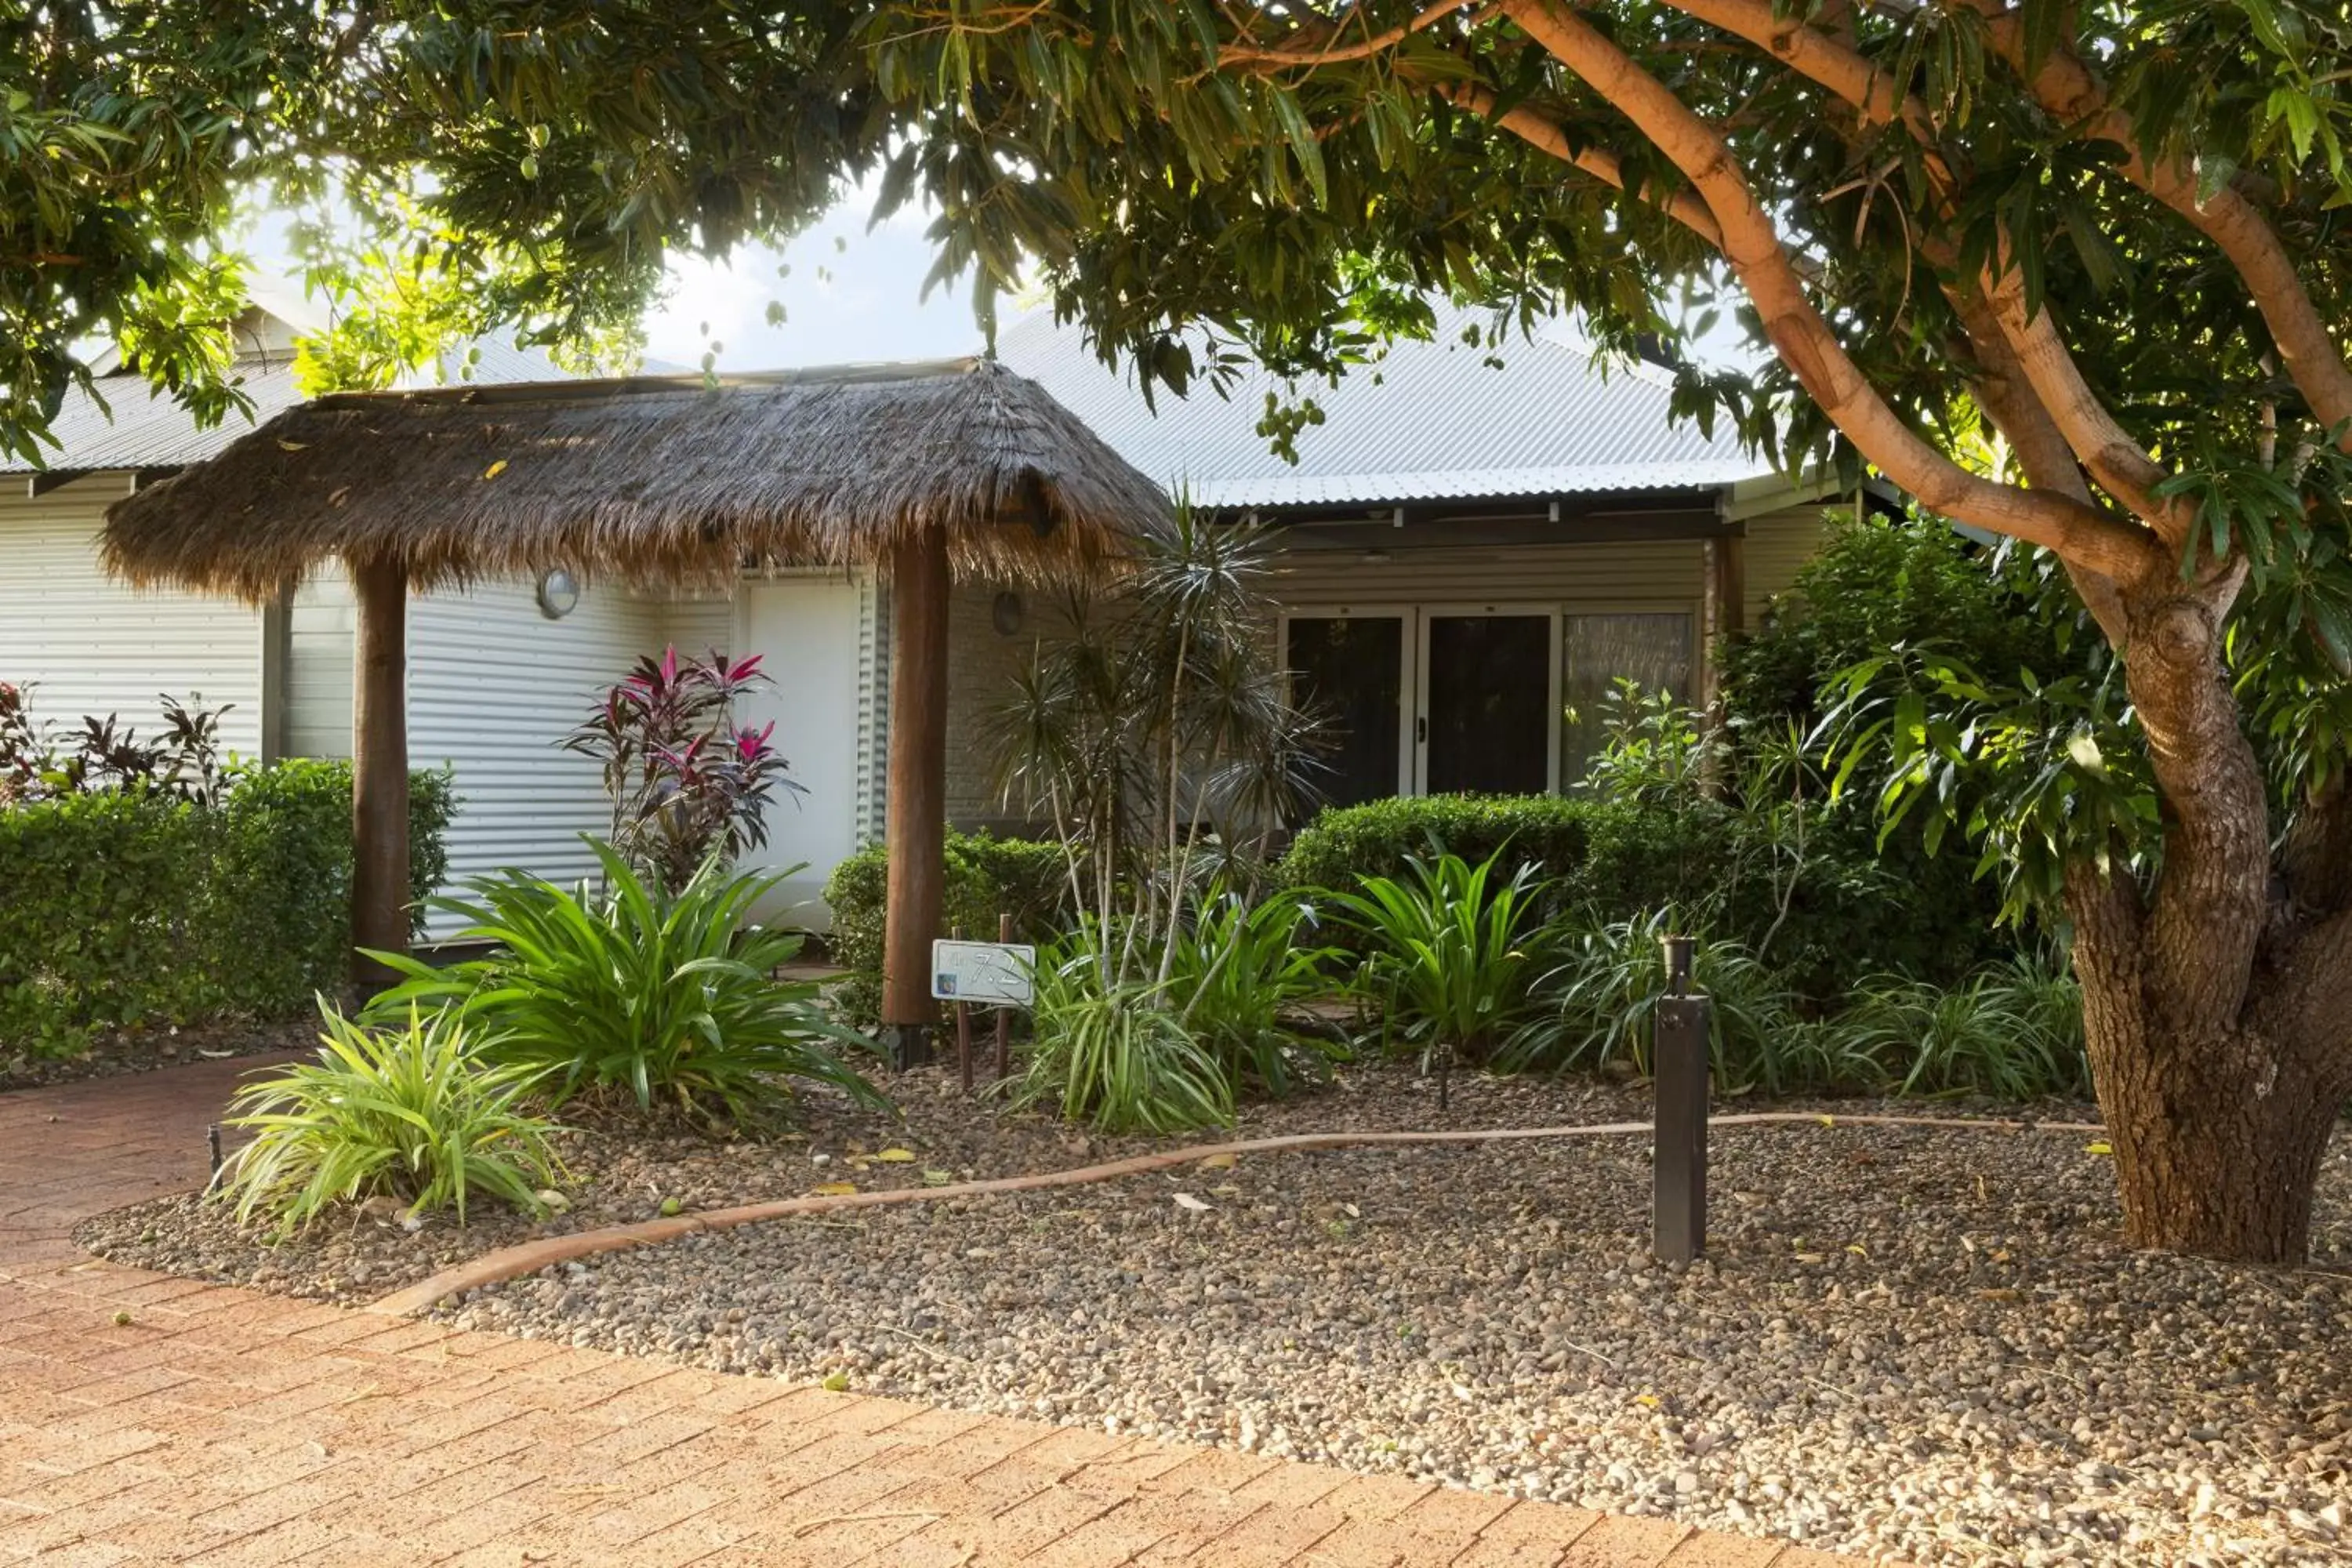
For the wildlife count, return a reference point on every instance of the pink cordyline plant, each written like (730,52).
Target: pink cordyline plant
(686,782)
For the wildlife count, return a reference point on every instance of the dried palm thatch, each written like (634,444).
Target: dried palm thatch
(652,481)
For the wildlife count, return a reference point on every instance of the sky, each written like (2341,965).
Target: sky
(847,296)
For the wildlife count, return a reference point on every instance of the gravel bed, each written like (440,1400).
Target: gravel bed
(623,1170)
(116,1052)
(1926,1343)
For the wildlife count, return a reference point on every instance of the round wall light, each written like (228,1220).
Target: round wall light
(558,595)
(1007,612)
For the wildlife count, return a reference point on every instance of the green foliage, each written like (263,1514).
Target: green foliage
(125,908)
(662,997)
(1878,583)
(1119,1057)
(1447,954)
(1158,736)
(413,1111)
(1599,1001)
(1607,853)
(2014,1033)
(986,877)
(1238,975)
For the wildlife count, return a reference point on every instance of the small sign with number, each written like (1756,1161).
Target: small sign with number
(990,974)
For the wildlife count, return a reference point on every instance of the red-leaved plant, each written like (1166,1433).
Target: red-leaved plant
(108,755)
(686,782)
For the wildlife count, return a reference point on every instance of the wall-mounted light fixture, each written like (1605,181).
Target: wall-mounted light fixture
(558,595)
(1007,612)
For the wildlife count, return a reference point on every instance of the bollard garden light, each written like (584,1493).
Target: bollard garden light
(1678,1065)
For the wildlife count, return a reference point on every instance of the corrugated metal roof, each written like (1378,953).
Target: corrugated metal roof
(1434,420)
(142,429)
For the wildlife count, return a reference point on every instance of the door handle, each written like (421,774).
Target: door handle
(1421,730)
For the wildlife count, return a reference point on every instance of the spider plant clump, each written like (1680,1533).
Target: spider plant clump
(419,1110)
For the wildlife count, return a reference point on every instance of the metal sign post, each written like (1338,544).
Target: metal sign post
(999,975)
(1679,1067)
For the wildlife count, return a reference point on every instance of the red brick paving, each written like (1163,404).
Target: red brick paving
(224,1427)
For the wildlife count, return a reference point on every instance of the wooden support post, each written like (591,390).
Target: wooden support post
(1678,1065)
(380,890)
(916,831)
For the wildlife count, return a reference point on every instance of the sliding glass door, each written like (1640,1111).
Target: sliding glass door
(1493,698)
(1485,702)
(1351,670)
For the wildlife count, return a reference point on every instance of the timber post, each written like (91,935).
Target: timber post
(380,890)
(916,828)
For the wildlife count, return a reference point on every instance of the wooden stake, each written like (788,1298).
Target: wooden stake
(916,831)
(379,889)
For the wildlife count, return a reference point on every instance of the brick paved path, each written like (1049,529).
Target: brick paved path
(224,1427)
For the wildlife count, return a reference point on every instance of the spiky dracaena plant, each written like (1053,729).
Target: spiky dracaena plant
(1160,737)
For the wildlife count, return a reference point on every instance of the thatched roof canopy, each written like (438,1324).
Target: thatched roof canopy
(655,481)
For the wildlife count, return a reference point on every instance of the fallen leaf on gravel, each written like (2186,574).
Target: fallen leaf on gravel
(2000,1295)
(1857,1249)
(1829,1121)
(1187,1201)
(1218,1162)
(837,1381)
(833,1189)
(1810,1257)
(897,1156)
(938,1178)
(1353,1212)
(1225,1192)
(1647,1401)
(2100,1148)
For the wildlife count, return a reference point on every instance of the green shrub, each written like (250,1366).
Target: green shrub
(663,997)
(413,1111)
(129,908)
(1236,979)
(2007,1032)
(986,877)
(1600,998)
(1450,952)
(1116,1056)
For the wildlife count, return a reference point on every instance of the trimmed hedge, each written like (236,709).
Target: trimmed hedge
(986,876)
(129,909)
(1857,910)
(1607,854)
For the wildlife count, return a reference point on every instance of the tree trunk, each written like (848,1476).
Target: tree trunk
(916,828)
(2216,1009)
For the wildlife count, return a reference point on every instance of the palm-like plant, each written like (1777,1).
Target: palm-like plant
(1243,973)
(1451,953)
(1119,1057)
(665,997)
(1159,738)
(417,1112)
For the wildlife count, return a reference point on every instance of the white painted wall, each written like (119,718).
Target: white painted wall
(493,687)
(815,639)
(90,645)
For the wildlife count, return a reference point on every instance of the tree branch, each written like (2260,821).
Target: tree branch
(1798,334)
(1331,51)
(2006,397)
(2118,461)
(1546,136)
(2064,86)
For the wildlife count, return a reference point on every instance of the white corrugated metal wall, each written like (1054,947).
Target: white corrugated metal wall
(90,645)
